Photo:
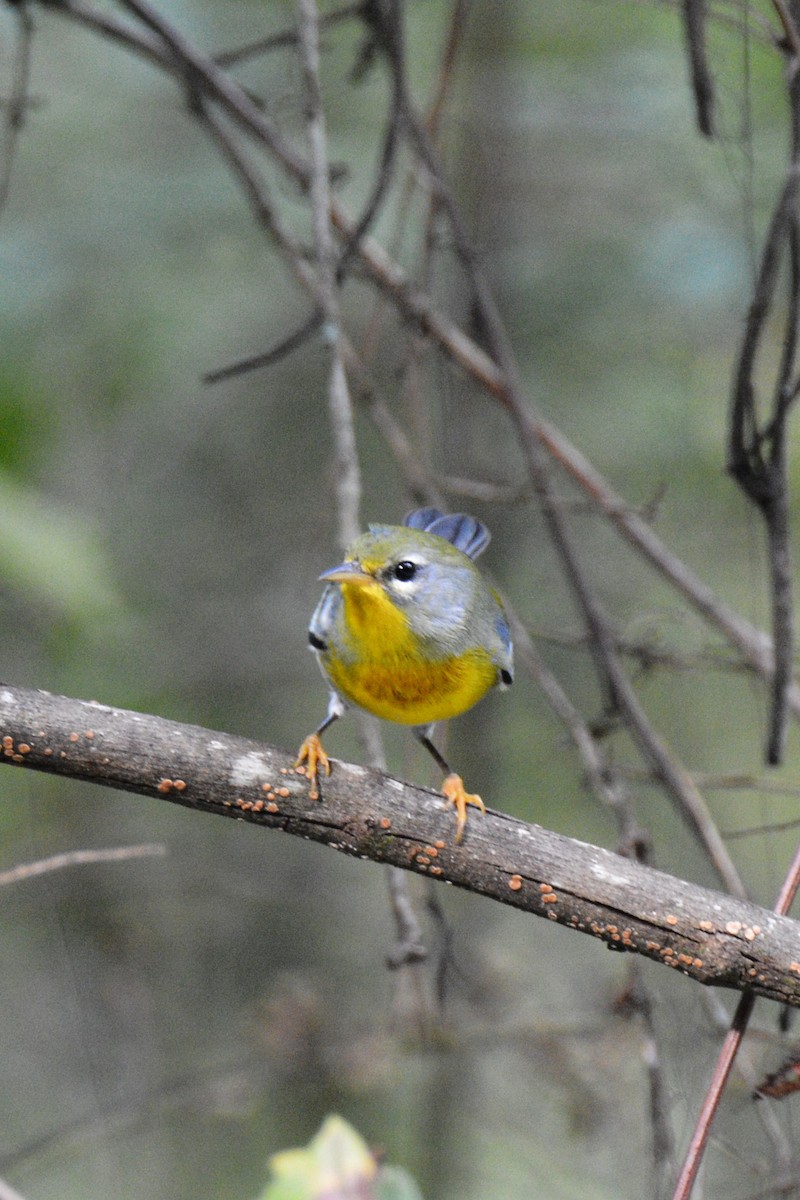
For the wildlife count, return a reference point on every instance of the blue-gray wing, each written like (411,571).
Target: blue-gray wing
(505,660)
(323,617)
(463,531)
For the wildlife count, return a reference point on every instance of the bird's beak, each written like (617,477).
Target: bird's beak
(348,572)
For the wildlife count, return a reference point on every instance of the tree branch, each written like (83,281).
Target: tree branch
(714,938)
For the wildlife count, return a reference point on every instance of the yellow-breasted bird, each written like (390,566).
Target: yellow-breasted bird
(409,630)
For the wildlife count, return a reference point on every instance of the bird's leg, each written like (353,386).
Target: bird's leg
(312,753)
(453,788)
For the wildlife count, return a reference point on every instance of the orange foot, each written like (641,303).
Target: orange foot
(313,755)
(453,792)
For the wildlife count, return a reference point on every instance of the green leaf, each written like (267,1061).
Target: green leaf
(53,556)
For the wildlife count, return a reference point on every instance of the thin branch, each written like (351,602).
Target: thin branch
(727,1054)
(15,107)
(267,358)
(348,475)
(288,37)
(78,858)
(9,1193)
(694,28)
(711,937)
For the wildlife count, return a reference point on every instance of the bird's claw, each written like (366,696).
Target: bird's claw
(454,793)
(312,755)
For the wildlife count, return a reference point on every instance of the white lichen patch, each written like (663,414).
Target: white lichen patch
(247,769)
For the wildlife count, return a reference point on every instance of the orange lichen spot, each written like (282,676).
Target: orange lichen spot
(8,743)
(651,946)
(612,929)
(515,883)
(706,926)
(73,737)
(750,935)
(551,898)
(266,787)
(89,734)
(299,770)
(697,963)
(667,951)
(179,785)
(272,806)
(284,770)
(752,972)
(283,791)
(545,887)
(436,871)
(48,751)
(385,823)
(432,852)
(258,805)
(733,927)
(17,758)
(672,919)
(165,785)
(794,967)
(423,860)
(685,958)
(439,845)
(23,748)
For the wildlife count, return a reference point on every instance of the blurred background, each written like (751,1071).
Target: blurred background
(167,1024)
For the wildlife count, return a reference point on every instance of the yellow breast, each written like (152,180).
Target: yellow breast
(383,667)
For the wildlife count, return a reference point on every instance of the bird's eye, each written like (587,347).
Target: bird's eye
(404,571)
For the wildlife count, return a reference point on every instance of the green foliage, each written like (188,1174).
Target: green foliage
(53,557)
(336,1164)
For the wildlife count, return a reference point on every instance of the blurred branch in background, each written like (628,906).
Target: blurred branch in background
(717,939)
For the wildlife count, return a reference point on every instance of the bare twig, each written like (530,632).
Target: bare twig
(694,27)
(14,108)
(288,37)
(757,456)
(348,478)
(727,1054)
(78,858)
(9,1193)
(293,341)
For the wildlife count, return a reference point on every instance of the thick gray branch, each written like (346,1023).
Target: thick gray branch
(714,938)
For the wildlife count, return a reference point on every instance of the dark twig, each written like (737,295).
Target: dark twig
(288,37)
(694,29)
(268,358)
(757,455)
(15,107)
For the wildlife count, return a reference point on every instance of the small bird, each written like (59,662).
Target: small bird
(408,629)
